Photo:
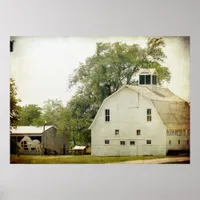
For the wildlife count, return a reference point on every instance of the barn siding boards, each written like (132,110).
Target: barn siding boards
(51,140)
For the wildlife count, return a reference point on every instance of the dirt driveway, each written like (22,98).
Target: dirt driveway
(156,161)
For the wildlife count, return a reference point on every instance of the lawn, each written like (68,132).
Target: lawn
(82,159)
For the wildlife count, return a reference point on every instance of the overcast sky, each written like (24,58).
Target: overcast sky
(41,65)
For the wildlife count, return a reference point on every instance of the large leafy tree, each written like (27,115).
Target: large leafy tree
(114,65)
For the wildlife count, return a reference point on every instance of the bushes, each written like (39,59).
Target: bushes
(14,149)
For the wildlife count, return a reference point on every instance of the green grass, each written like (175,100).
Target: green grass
(75,159)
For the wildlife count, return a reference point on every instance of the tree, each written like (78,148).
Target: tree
(81,115)
(114,65)
(51,111)
(54,113)
(14,105)
(14,114)
(30,115)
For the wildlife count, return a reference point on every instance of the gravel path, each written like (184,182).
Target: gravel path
(156,161)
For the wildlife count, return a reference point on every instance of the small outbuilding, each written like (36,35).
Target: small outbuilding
(34,140)
(80,150)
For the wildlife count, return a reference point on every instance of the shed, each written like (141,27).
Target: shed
(33,140)
(80,149)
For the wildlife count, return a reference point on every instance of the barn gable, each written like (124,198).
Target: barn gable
(105,100)
(173,111)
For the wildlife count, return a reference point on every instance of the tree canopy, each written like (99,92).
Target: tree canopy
(115,64)
(30,115)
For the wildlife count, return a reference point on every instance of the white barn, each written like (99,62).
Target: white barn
(141,119)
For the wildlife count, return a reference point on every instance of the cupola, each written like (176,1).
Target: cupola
(147,77)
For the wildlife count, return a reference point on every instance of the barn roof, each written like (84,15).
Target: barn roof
(173,111)
(155,93)
(175,115)
(30,129)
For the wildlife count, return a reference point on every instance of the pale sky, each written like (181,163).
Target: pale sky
(41,65)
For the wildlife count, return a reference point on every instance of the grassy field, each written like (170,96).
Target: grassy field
(83,159)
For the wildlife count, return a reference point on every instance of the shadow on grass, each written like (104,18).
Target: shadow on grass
(181,162)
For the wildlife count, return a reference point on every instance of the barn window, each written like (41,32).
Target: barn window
(107,115)
(154,79)
(149,115)
(132,142)
(148,141)
(169,141)
(107,141)
(145,79)
(142,80)
(179,142)
(148,79)
(138,132)
(122,142)
(24,145)
(117,132)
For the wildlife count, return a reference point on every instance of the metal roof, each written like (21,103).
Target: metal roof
(155,93)
(79,147)
(30,129)
(175,115)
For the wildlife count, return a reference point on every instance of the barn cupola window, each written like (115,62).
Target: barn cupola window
(147,77)
(154,79)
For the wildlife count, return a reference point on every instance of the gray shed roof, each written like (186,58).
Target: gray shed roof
(30,129)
